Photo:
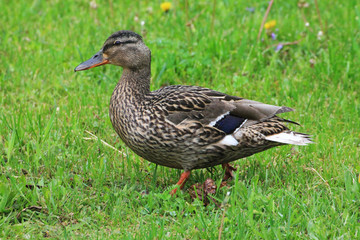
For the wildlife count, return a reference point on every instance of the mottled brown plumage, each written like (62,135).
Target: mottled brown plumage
(184,127)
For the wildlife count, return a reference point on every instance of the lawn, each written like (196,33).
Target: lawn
(65,174)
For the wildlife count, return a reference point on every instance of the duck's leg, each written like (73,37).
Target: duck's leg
(184,176)
(229,171)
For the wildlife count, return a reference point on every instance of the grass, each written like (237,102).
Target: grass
(57,183)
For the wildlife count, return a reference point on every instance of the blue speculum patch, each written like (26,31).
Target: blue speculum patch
(229,123)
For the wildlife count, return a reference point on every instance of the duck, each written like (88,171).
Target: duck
(181,126)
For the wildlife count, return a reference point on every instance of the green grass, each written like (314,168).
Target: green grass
(84,189)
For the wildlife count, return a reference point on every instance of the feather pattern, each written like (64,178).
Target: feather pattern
(185,127)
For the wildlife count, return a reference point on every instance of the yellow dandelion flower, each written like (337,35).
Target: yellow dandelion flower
(165,6)
(270,24)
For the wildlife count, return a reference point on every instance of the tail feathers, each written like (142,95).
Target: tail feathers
(290,137)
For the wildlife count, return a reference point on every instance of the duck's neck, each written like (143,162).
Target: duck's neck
(134,83)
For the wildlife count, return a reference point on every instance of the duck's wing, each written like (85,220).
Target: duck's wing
(212,108)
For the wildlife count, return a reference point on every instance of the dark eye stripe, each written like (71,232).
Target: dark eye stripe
(118,42)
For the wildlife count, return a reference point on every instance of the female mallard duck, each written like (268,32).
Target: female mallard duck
(185,127)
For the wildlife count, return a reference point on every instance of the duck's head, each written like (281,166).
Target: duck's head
(123,48)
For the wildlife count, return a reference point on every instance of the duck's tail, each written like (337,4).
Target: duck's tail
(290,137)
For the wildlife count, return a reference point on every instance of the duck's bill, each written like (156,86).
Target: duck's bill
(94,61)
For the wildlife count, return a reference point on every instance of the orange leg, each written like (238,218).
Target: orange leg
(184,176)
(229,171)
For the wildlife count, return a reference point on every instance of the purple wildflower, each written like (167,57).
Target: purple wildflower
(273,36)
(279,47)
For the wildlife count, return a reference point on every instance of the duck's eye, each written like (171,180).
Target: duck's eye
(117,42)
